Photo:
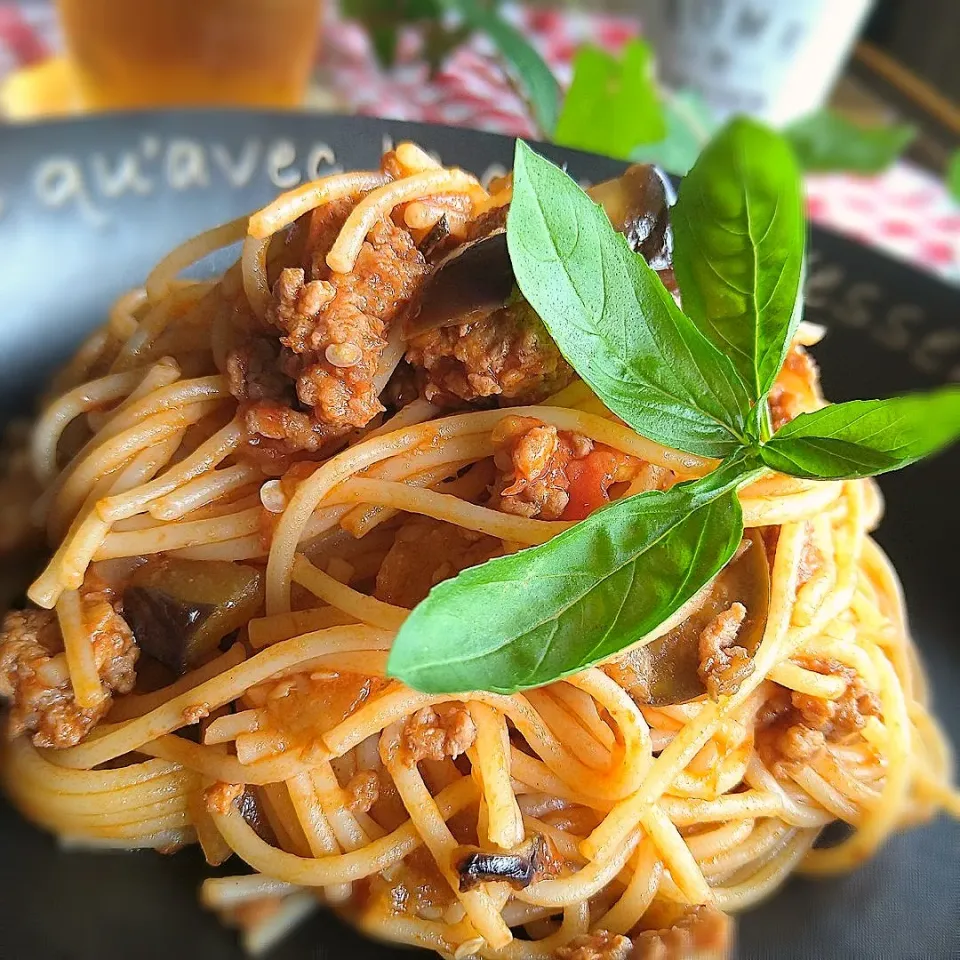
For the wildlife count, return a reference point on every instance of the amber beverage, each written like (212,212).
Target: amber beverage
(145,53)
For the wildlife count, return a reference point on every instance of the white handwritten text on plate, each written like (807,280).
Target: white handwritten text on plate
(88,185)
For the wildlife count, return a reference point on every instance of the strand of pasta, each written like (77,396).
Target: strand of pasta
(312,491)
(431,824)
(69,562)
(443,506)
(624,915)
(348,867)
(137,704)
(359,605)
(178,534)
(490,763)
(225,687)
(380,201)
(135,409)
(185,307)
(158,283)
(205,458)
(70,405)
(203,490)
(163,373)
(114,453)
(879,820)
(81,662)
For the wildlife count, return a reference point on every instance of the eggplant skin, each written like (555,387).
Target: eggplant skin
(165,627)
(531,862)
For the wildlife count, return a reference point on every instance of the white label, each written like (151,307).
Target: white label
(774,59)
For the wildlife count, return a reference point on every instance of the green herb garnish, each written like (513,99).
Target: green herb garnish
(531,76)
(612,104)
(695,380)
(690,124)
(614,321)
(953,175)
(826,141)
(864,438)
(739,234)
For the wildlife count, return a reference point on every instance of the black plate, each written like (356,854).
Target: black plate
(87,207)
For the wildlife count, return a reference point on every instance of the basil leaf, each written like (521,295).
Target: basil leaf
(953,175)
(613,319)
(612,105)
(826,141)
(690,124)
(738,248)
(538,85)
(530,618)
(865,437)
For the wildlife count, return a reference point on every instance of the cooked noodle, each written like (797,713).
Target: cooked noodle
(648,808)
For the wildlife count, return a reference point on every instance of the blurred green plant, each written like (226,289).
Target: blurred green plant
(444,25)
(614,104)
(825,140)
(953,175)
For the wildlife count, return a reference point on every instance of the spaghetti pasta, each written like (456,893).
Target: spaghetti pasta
(450,821)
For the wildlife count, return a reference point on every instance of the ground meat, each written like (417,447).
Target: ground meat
(553,474)
(702,931)
(843,716)
(424,553)
(436,732)
(723,664)
(799,725)
(799,743)
(507,355)
(253,372)
(601,945)
(219,797)
(317,383)
(34,676)
(794,391)
(195,713)
(363,790)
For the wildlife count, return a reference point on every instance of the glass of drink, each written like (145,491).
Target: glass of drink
(149,53)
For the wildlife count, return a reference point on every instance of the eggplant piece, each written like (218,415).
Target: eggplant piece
(435,237)
(180,610)
(638,205)
(248,803)
(477,277)
(532,861)
(669,665)
(468,283)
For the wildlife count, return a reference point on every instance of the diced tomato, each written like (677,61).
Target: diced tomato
(590,479)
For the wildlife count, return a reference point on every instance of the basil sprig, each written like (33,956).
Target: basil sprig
(695,379)
(738,232)
(613,319)
(863,438)
(524,620)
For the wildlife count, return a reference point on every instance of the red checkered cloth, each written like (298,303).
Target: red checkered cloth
(905,212)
